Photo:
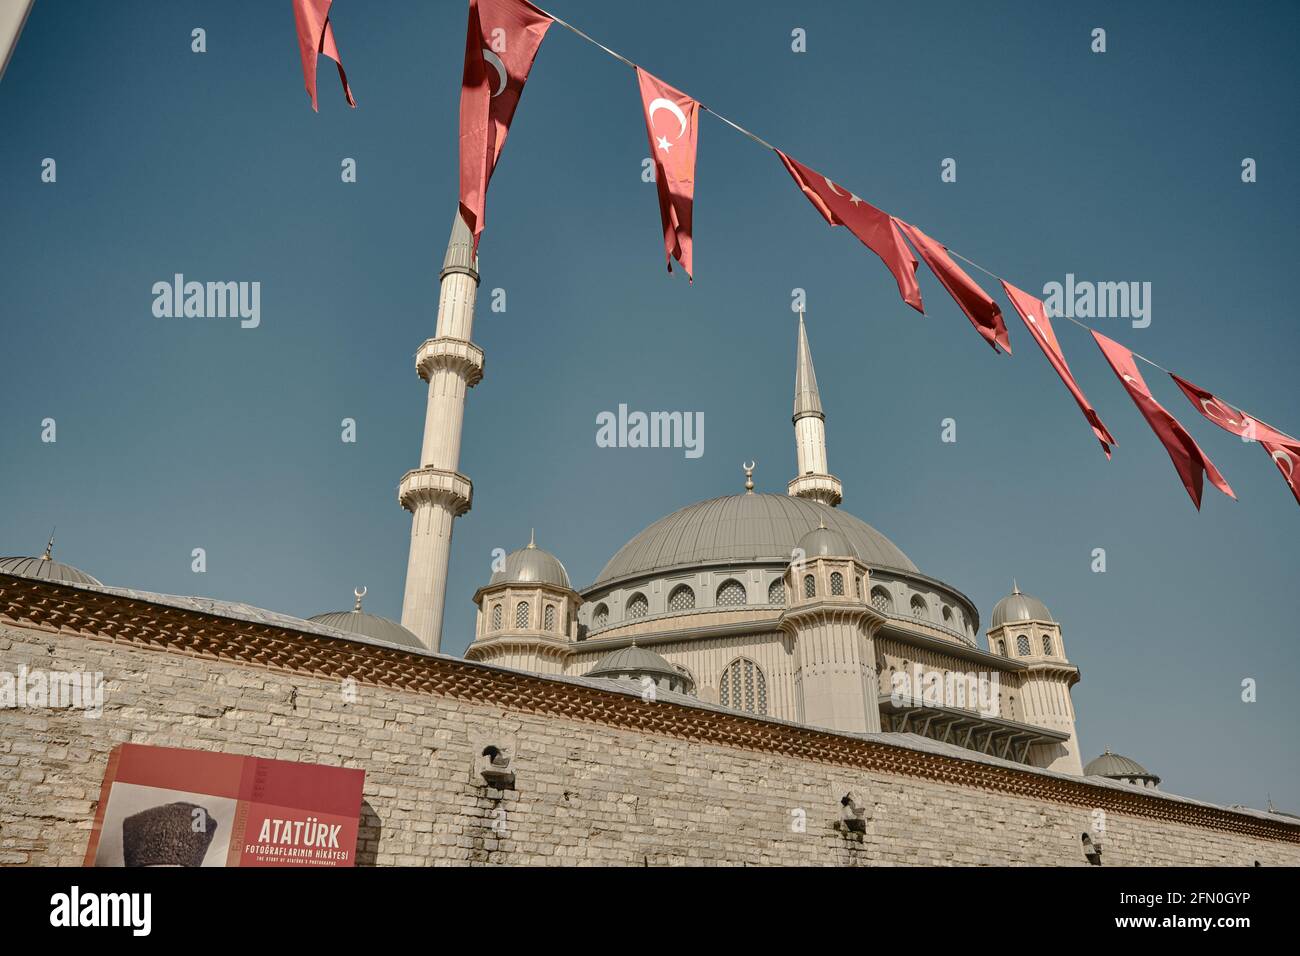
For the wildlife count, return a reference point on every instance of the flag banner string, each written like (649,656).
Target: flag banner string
(764,143)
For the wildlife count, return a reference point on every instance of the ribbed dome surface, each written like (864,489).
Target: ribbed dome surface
(531,565)
(47,569)
(1019,607)
(748,527)
(823,542)
(631,659)
(369,625)
(1115,765)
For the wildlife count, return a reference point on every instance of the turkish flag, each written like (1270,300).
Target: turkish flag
(865,221)
(672,123)
(316,36)
(1281,447)
(979,307)
(1034,314)
(1191,462)
(501,43)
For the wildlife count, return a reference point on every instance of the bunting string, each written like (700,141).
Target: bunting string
(764,143)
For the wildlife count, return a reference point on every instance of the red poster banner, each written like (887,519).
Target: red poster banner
(164,806)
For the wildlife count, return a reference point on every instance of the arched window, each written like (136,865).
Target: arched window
(521,614)
(637,605)
(730,593)
(1047,644)
(496,617)
(1002,648)
(859,586)
(549,622)
(837,583)
(918,607)
(809,586)
(682,598)
(881,600)
(601,616)
(743,687)
(776,592)
(947,615)
(1022,645)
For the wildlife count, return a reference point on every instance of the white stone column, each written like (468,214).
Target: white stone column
(436,493)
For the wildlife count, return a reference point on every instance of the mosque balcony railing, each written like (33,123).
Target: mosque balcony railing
(964,727)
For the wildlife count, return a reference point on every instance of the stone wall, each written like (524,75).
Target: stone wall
(589,792)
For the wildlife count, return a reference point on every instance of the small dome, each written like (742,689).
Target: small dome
(532,565)
(826,542)
(369,625)
(632,660)
(1118,767)
(47,569)
(1019,607)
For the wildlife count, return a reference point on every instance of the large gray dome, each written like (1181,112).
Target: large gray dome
(1016,607)
(744,528)
(531,565)
(47,569)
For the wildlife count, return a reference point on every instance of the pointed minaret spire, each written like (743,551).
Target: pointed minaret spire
(807,400)
(814,479)
(437,493)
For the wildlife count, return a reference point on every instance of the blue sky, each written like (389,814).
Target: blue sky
(1123,166)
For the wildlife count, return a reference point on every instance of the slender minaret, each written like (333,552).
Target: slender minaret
(436,493)
(813,480)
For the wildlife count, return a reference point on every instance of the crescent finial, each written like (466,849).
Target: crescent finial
(749,475)
(360,593)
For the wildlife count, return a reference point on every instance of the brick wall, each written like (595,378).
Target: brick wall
(588,793)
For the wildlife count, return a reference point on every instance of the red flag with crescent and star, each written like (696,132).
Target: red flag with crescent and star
(983,312)
(501,43)
(316,37)
(672,123)
(872,226)
(1034,314)
(1192,463)
(1283,450)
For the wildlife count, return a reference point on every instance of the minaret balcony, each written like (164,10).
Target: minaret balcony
(443,352)
(435,486)
(824,488)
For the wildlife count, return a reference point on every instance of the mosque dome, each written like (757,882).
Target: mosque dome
(1118,767)
(1016,607)
(633,662)
(823,542)
(532,565)
(746,528)
(372,626)
(46,568)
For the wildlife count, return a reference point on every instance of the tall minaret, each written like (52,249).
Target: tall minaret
(813,480)
(436,493)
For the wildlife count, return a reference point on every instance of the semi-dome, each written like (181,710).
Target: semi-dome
(1016,607)
(1118,767)
(746,528)
(47,569)
(531,565)
(824,542)
(633,663)
(368,625)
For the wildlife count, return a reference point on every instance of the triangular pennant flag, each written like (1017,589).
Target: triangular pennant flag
(1192,463)
(501,42)
(869,224)
(672,123)
(979,307)
(316,37)
(1034,314)
(1283,450)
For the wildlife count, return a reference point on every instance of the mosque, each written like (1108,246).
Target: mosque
(781,606)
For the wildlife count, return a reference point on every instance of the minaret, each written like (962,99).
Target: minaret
(436,493)
(813,480)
